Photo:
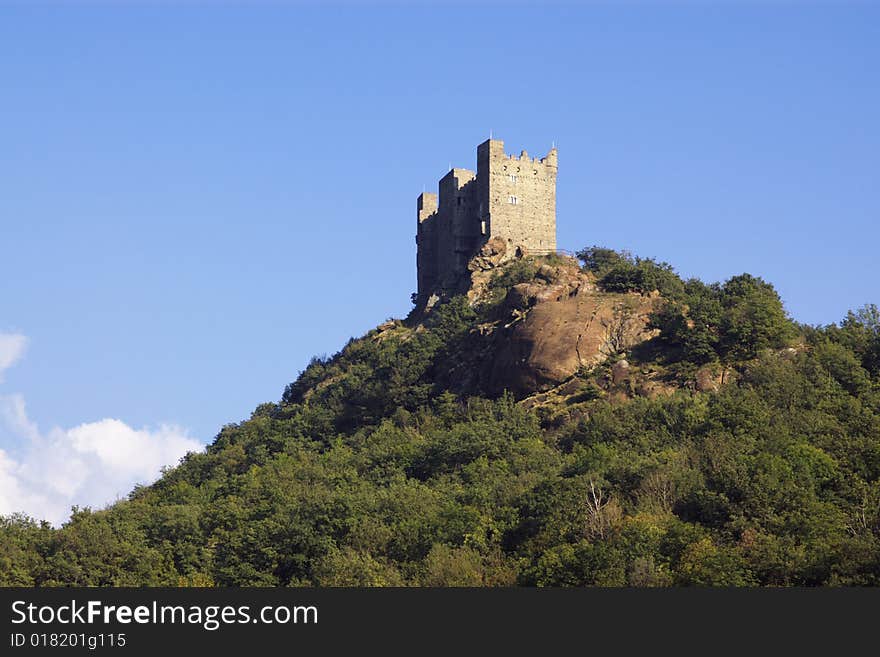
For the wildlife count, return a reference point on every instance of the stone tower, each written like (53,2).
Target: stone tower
(509,197)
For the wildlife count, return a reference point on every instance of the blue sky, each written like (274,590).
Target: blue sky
(195,199)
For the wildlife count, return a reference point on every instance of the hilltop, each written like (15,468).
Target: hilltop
(566,421)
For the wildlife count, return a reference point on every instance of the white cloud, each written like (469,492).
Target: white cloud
(92,464)
(12,347)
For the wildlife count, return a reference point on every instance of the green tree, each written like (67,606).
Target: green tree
(753,318)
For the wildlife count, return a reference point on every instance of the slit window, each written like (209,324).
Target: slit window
(513,200)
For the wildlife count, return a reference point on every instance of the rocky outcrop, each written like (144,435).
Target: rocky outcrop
(559,324)
(482,267)
(710,378)
(620,371)
(492,254)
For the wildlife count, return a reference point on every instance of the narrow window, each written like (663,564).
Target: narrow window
(513,200)
(482,228)
(459,200)
(512,178)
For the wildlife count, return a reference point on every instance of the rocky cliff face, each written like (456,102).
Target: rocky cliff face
(549,328)
(561,326)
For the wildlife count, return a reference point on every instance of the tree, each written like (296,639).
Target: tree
(860,332)
(753,318)
(599,259)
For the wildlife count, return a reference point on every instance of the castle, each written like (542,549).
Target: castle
(511,198)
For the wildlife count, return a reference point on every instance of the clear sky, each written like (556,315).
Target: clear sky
(195,199)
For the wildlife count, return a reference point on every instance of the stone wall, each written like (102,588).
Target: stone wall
(511,198)
(520,196)
(426,242)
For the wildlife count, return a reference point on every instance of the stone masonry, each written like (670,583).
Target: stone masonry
(511,198)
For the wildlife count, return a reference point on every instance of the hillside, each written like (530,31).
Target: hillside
(590,421)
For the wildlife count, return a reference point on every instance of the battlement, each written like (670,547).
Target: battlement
(550,159)
(509,197)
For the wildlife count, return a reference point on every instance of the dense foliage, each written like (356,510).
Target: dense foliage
(730,322)
(375,470)
(619,271)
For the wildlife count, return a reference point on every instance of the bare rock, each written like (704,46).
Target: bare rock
(432,301)
(567,327)
(492,254)
(708,378)
(619,371)
(520,296)
(548,273)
